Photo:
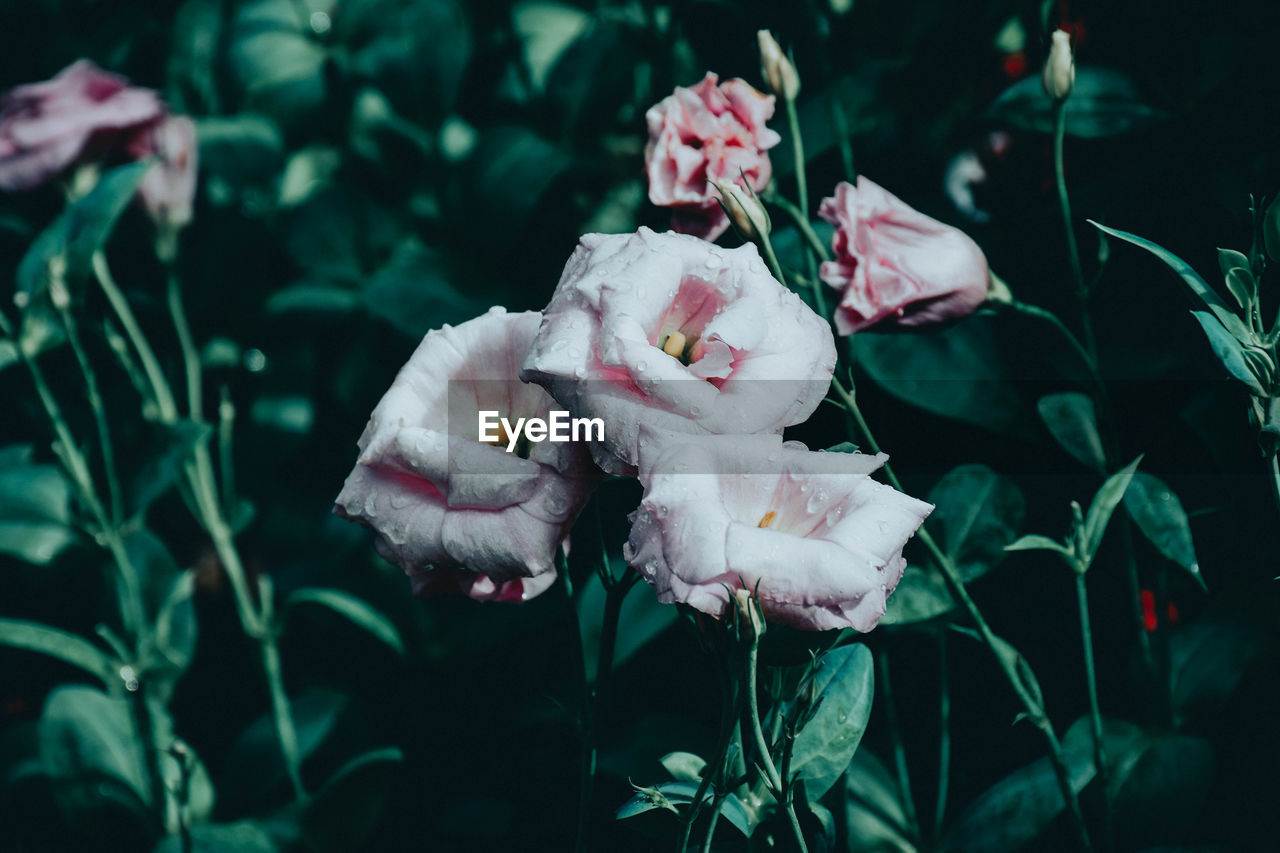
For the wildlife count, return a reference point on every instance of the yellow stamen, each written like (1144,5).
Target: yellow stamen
(674,345)
(768,518)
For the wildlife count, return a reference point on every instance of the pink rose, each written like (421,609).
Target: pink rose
(895,265)
(812,532)
(678,333)
(454,513)
(45,127)
(701,134)
(169,187)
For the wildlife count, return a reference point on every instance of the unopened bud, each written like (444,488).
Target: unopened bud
(778,71)
(1060,68)
(750,619)
(58,293)
(744,210)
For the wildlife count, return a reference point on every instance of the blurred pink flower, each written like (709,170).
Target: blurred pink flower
(169,187)
(812,532)
(45,127)
(675,332)
(896,266)
(701,134)
(454,513)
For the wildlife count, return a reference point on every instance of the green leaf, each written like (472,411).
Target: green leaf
(1271,229)
(1242,286)
(280,68)
(81,230)
(1230,352)
(957,372)
(66,647)
(1013,659)
(313,299)
(546,29)
(875,819)
(1199,287)
(1104,504)
(255,771)
(244,836)
(641,619)
(1159,515)
(35,507)
(417,290)
(1103,102)
(347,809)
(1208,659)
(242,156)
(1071,419)
(668,795)
(977,512)
(418,51)
(1035,542)
(174,638)
(844,683)
(1014,811)
(1229,259)
(353,609)
(683,766)
(170,449)
(921,595)
(89,748)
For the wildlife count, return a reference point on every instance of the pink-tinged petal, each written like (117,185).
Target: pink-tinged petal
(456,514)
(755,357)
(818,540)
(895,266)
(45,127)
(706,132)
(168,189)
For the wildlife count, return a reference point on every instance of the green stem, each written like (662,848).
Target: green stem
(772,259)
(716,807)
(1034,710)
(226,459)
(147,738)
(1064,204)
(899,750)
(802,182)
(285,731)
(99,416)
(802,223)
(159,385)
(944,734)
(1095,713)
(779,789)
(730,710)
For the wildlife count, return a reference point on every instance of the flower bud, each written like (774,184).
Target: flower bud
(777,69)
(744,210)
(750,619)
(1060,68)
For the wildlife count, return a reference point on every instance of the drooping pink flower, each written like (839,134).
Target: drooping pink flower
(704,133)
(46,127)
(818,539)
(455,513)
(169,187)
(895,266)
(672,331)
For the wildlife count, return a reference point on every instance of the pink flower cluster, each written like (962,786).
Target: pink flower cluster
(85,114)
(695,359)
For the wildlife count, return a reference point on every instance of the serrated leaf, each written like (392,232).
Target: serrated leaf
(65,646)
(976,513)
(823,748)
(1071,418)
(353,609)
(1103,505)
(1230,352)
(1156,510)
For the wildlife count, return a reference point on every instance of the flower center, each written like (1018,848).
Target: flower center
(767,519)
(678,346)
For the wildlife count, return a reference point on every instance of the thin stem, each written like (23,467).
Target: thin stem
(1034,710)
(160,387)
(1095,714)
(1275,477)
(730,710)
(147,738)
(1064,203)
(716,807)
(772,259)
(899,750)
(944,736)
(802,223)
(780,791)
(226,459)
(99,416)
(190,357)
(285,731)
